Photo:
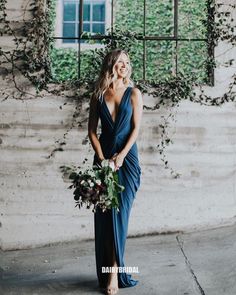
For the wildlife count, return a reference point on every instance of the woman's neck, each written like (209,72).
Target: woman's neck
(118,84)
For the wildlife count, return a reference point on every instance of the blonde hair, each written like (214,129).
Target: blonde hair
(108,74)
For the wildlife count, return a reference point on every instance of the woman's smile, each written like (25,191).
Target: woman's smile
(123,71)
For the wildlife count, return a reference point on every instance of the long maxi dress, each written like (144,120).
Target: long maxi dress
(112,225)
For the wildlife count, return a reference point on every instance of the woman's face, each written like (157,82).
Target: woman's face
(122,65)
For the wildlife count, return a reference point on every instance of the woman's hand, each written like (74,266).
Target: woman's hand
(118,160)
(100,159)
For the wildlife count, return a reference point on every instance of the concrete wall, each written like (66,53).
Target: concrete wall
(37,208)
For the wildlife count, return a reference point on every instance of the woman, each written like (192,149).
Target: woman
(119,106)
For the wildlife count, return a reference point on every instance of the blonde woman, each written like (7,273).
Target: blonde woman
(119,106)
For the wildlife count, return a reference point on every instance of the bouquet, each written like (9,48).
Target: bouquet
(97,186)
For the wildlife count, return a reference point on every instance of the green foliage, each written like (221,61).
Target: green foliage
(192,19)
(64,64)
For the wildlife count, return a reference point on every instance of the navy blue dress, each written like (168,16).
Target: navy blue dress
(112,225)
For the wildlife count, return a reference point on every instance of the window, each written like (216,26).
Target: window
(173,34)
(93,18)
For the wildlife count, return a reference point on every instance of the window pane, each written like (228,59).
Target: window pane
(99,12)
(68,31)
(160,17)
(64,62)
(86,12)
(136,57)
(192,57)
(191,15)
(89,64)
(69,12)
(86,27)
(160,59)
(128,15)
(98,28)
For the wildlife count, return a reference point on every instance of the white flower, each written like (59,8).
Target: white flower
(102,197)
(107,202)
(105,162)
(91,173)
(83,181)
(98,181)
(108,162)
(112,165)
(91,184)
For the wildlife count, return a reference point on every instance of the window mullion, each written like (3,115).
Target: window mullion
(91,18)
(176,34)
(144,40)
(112,17)
(81,3)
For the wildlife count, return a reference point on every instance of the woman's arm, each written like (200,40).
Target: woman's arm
(137,103)
(92,127)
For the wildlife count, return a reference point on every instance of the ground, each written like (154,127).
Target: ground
(202,262)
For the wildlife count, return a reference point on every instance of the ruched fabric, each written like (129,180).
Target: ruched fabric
(112,225)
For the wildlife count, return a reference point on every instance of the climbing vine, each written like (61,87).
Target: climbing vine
(29,54)
(30,59)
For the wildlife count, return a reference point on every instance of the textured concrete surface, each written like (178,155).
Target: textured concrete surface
(34,196)
(201,262)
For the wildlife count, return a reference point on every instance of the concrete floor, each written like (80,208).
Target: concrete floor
(202,262)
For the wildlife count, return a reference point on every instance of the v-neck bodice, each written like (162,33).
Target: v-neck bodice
(117,131)
(105,103)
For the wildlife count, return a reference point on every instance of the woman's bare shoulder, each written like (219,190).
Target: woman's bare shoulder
(136,93)
(135,90)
